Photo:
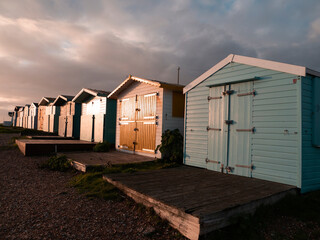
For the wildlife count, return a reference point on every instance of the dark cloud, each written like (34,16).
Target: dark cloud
(57,47)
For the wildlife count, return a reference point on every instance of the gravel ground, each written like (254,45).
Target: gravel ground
(37,204)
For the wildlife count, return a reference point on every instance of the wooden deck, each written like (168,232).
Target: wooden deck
(197,201)
(30,147)
(84,160)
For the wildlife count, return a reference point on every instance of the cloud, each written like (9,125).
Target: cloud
(57,47)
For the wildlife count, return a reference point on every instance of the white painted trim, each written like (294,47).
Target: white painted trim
(84,90)
(267,64)
(272,65)
(132,78)
(208,73)
(57,98)
(43,99)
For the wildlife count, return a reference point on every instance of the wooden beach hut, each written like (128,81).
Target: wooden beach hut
(98,115)
(25,116)
(255,118)
(33,116)
(69,119)
(43,116)
(145,109)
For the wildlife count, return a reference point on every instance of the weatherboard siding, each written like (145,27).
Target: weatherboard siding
(274,145)
(310,154)
(170,122)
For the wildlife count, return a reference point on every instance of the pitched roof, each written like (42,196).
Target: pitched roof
(34,104)
(132,79)
(86,92)
(272,65)
(61,99)
(46,100)
(16,108)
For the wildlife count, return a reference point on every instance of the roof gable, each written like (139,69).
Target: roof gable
(272,65)
(126,83)
(87,92)
(45,101)
(62,99)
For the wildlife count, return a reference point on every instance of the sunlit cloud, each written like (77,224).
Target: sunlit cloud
(58,47)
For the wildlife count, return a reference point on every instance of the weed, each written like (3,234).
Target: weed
(93,186)
(57,163)
(102,147)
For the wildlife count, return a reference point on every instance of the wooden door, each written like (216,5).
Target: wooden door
(217,131)
(240,129)
(127,123)
(230,128)
(146,123)
(138,123)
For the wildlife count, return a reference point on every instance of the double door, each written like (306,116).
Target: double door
(230,128)
(138,123)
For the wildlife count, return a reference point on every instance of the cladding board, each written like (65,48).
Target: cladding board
(170,122)
(310,154)
(276,132)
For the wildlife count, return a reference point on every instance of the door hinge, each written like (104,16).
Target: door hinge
(212,161)
(228,122)
(245,166)
(247,130)
(214,129)
(253,93)
(211,98)
(228,92)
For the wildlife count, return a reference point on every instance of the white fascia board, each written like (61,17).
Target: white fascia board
(272,65)
(119,87)
(82,91)
(208,73)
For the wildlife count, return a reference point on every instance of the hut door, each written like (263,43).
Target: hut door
(230,129)
(240,129)
(146,123)
(127,124)
(217,130)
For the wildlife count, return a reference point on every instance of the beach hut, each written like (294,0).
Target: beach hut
(33,116)
(69,119)
(25,116)
(15,116)
(255,118)
(20,116)
(43,116)
(98,115)
(145,109)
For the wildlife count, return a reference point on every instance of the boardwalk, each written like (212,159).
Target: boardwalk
(197,201)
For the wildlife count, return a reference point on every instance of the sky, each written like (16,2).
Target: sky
(53,47)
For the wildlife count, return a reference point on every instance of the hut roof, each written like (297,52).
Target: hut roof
(62,99)
(46,100)
(87,92)
(272,65)
(131,79)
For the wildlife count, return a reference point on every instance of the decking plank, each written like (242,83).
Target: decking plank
(210,196)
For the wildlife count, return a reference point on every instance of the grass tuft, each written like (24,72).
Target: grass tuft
(57,163)
(92,185)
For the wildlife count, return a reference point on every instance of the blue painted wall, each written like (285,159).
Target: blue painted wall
(311,134)
(275,148)
(110,121)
